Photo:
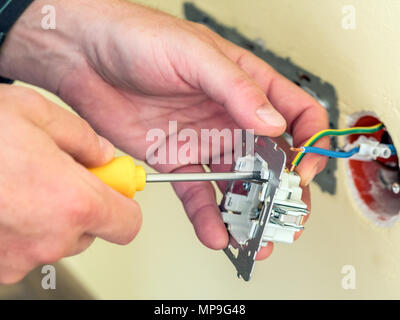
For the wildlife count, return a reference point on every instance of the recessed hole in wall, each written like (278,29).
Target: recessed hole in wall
(373,182)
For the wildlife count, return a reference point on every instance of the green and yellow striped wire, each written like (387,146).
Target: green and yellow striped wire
(334,132)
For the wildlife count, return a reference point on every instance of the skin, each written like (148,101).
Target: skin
(39,159)
(125,69)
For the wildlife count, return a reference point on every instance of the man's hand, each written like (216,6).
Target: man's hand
(127,69)
(50,205)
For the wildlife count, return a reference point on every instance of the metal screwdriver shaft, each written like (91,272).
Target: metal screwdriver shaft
(212,176)
(124,176)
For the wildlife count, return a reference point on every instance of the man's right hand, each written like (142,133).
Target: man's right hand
(51,206)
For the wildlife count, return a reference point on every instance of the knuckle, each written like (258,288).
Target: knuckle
(29,104)
(20,95)
(134,227)
(242,58)
(201,37)
(242,82)
(81,209)
(249,90)
(29,97)
(86,130)
(29,94)
(50,252)
(206,34)
(87,134)
(18,90)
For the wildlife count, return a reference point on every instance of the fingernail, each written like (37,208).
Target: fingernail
(311,176)
(106,147)
(270,116)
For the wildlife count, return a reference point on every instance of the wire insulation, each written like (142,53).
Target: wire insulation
(393,149)
(330,153)
(334,132)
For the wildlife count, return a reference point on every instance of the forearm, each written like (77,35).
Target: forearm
(43,57)
(87,32)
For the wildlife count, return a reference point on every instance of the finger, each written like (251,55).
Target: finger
(265,252)
(312,164)
(84,242)
(223,81)
(71,133)
(297,235)
(9,275)
(304,115)
(199,201)
(74,135)
(119,220)
(108,214)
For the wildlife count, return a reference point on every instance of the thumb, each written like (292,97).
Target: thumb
(226,83)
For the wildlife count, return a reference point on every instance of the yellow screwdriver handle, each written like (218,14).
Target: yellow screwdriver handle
(122,175)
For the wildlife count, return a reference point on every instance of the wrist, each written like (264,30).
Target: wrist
(40,56)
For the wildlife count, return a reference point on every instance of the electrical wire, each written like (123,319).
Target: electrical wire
(337,154)
(334,132)
(329,153)
(393,149)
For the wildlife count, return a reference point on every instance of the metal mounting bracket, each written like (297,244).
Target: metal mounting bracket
(242,255)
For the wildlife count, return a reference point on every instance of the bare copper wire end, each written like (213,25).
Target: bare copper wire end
(297,149)
(292,168)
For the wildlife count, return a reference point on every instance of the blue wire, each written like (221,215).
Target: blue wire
(393,149)
(340,154)
(330,153)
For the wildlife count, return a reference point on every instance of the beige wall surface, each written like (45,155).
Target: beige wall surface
(167,261)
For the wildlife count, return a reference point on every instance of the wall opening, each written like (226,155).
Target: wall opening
(375,185)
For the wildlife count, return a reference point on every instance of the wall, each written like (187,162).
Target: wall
(167,261)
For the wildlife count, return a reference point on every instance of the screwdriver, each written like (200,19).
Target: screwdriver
(124,176)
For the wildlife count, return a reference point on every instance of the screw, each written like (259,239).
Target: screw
(246,186)
(396,188)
